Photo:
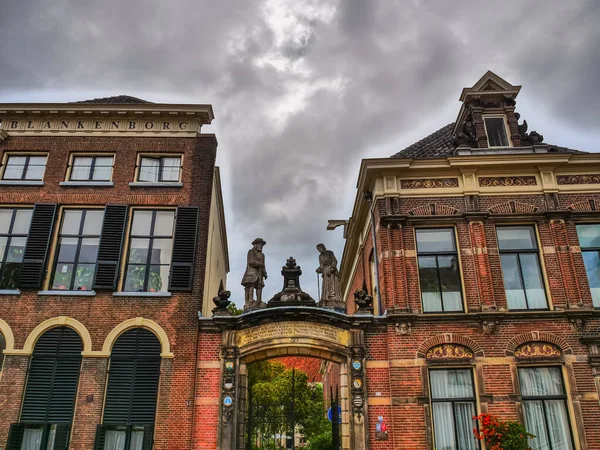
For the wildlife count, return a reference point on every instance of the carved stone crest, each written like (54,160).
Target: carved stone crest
(489,326)
(403,328)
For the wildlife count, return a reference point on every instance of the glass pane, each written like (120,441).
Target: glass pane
(84,277)
(532,276)
(11,274)
(450,280)
(516,238)
(589,235)
(71,221)
(138,250)
(51,437)
(164,223)
(22,221)
(5,220)
(134,278)
(496,132)
(159,278)
(161,251)
(515,294)
(443,426)
(67,249)
(89,250)
(149,168)
(102,172)
(451,383)
(534,422)
(63,275)
(171,168)
(435,240)
(540,381)
(36,168)
(142,220)
(592,269)
(3,241)
(93,222)
(137,438)
(430,286)
(558,425)
(16,249)
(115,440)
(81,168)
(14,167)
(464,412)
(32,438)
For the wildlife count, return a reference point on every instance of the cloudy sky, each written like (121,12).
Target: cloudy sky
(303,89)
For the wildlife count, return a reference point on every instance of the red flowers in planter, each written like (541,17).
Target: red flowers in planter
(509,435)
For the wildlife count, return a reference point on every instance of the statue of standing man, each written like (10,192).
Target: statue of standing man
(255,274)
(331,295)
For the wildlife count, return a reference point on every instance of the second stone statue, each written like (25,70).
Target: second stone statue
(255,275)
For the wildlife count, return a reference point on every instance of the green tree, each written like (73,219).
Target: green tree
(234,310)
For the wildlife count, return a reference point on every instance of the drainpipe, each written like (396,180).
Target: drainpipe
(369,198)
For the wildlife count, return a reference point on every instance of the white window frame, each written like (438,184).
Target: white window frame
(506,129)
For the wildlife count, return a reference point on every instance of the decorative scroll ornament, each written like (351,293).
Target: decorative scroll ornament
(592,178)
(449,351)
(507,181)
(433,183)
(537,350)
(357,377)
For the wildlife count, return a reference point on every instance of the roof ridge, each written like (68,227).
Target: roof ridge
(123,99)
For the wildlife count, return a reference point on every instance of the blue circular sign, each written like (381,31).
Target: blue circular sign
(228,401)
(330,414)
(356,365)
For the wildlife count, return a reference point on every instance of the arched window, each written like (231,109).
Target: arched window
(49,399)
(2,347)
(132,389)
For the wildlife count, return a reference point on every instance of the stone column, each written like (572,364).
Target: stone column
(358,398)
(229,398)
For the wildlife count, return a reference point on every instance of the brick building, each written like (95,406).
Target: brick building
(110,211)
(486,281)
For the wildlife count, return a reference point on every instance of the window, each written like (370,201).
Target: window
(438,270)
(545,407)
(453,407)
(164,169)
(373,275)
(24,168)
(150,248)
(14,227)
(521,268)
(495,128)
(91,168)
(2,347)
(131,392)
(589,240)
(50,392)
(77,250)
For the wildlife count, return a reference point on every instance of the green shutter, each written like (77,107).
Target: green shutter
(148,437)
(61,440)
(184,249)
(100,437)
(111,245)
(15,436)
(36,248)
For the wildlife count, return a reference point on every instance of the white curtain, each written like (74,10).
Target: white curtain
(32,439)
(558,424)
(137,439)
(149,170)
(115,440)
(171,167)
(443,426)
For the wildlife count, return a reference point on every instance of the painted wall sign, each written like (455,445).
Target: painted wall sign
(291,331)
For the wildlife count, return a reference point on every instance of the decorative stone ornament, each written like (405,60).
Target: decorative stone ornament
(403,328)
(357,375)
(363,301)
(228,383)
(222,302)
(489,326)
(578,323)
(449,351)
(538,350)
(292,294)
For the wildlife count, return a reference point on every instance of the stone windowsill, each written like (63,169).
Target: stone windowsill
(87,183)
(141,294)
(10,291)
(169,184)
(69,293)
(21,183)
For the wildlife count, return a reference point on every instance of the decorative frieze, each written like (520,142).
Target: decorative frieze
(429,183)
(507,181)
(449,351)
(537,350)
(593,178)
(357,381)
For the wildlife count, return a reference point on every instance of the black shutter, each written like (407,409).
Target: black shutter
(111,244)
(53,377)
(100,437)
(61,438)
(133,379)
(38,242)
(148,437)
(184,249)
(15,436)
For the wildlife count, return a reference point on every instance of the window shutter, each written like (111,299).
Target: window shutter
(53,377)
(111,244)
(15,436)
(184,249)
(148,437)
(100,437)
(38,242)
(62,436)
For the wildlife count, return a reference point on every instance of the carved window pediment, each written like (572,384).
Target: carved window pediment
(449,351)
(538,350)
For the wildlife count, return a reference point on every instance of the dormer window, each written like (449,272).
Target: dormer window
(496,130)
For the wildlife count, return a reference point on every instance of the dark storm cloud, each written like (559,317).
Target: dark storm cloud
(303,89)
